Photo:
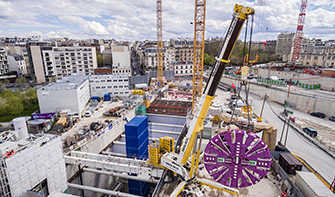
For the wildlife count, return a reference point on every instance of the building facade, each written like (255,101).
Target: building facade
(183,49)
(72,60)
(17,64)
(121,56)
(4,68)
(284,45)
(72,92)
(121,70)
(182,69)
(115,85)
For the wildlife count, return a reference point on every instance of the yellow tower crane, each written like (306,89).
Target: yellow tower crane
(198,51)
(159,43)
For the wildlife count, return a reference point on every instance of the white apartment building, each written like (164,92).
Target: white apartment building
(150,55)
(71,60)
(72,92)
(109,84)
(121,70)
(16,63)
(183,69)
(3,61)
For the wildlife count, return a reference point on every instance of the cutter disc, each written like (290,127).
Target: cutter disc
(237,158)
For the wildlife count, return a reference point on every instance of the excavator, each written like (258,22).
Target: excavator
(178,162)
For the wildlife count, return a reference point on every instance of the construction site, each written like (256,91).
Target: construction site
(206,137)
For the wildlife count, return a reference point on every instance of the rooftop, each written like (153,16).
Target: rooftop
(70,82)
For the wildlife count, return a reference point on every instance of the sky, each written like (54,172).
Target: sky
(136,19)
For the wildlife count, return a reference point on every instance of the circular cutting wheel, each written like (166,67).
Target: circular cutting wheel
(237,158)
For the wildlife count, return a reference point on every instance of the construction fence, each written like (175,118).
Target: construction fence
(274,82)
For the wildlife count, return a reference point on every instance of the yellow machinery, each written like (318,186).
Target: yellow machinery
(159,43)
(154,153)
(140,92)
(166,144)
(252,61)
(246,109)
(198,50)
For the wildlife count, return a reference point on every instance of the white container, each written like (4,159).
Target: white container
(16,189)
(21,126)
(310,185)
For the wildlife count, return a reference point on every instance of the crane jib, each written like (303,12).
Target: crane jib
(228,45)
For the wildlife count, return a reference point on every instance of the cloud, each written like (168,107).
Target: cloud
(136,20)
(87,27)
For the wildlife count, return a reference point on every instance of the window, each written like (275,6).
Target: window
(114,80)
(103,80)
(109,80)
(120,80)
(109,86)
(103,87)
(125,80)
(115,86)
(120,86)
(98,87)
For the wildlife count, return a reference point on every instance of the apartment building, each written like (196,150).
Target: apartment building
(115,85)
(73,60)
(17,64)
(183,49)
(4,69)
(182,69)
(284,45)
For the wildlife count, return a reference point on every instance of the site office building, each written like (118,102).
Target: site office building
(71,92)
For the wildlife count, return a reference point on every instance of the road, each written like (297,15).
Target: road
(296,143)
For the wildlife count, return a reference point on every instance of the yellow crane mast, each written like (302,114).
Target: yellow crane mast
(159,43)
(198,51)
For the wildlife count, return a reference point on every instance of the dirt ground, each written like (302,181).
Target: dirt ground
(326,134)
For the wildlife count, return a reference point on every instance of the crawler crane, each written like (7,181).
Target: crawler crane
(177,162)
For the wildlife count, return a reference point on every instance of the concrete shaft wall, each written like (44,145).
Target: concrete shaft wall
(302,103)
(327,83)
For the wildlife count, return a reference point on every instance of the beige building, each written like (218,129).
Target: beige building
(183,49)
(284,45)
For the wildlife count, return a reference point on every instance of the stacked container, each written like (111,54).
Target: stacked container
(137,147)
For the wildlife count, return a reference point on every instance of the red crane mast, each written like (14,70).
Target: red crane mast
(299,32)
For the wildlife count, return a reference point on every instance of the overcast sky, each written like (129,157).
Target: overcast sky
(136,19)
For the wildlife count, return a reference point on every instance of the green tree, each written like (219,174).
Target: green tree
(3,105)
(29,97)
(100,60)
(14,106)
(6,81)
(20,81)
(208,59)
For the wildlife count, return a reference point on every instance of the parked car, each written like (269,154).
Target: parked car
(88,114)
(318,114)
(310,131)
(332,118)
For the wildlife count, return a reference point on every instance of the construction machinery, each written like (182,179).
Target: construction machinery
(198,51)
(159,43)
(226,156)
(299,32)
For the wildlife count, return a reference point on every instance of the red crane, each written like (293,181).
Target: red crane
(298,34)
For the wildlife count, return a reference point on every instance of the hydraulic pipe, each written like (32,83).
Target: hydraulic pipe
(120,175)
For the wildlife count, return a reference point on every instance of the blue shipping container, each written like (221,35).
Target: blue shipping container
(136,126)
(137,141)
(140,188)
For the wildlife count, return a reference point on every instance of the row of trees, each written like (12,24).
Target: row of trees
(212,49)
(14,103)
